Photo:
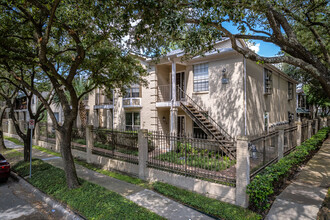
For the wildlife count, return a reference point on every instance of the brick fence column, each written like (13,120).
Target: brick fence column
(310,129)
(11,128)
(298,132)
(143,153)
(89,142)
(37,133)
(316,125)
(325,122)
(280,147)
(242,171)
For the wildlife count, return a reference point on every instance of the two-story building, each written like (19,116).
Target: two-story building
(218,94)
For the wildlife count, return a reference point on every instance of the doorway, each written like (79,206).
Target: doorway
(180,85)
(181,125)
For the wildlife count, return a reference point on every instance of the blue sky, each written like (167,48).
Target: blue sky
(262,48)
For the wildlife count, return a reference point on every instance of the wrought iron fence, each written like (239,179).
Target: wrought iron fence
(264,151)
(189,156)
(78,138)
(47,132)
(116,144)
(290,139)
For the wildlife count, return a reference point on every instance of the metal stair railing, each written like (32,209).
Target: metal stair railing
(229,141)
(200,109)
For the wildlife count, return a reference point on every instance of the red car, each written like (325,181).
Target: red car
(4,168)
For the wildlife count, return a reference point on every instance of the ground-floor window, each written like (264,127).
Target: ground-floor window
(132,121)
(198,132)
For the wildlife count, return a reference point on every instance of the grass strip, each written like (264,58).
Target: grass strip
(90,200)
(15,140)
(207,205)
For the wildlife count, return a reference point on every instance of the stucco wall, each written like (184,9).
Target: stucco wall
(277,103)
(224,102)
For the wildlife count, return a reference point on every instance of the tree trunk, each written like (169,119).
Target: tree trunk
(68,162)
(27,142)
(82,114)
(2,143)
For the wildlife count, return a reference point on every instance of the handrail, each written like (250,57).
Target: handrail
(191,101)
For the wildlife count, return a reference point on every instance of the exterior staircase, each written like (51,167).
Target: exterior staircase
(207,124)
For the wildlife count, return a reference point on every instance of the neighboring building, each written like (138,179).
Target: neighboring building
(221,89)
(302,105)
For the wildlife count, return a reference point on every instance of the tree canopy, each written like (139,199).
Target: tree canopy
(300,28)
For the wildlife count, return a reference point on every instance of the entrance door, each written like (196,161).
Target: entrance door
(181,125)
(180,86)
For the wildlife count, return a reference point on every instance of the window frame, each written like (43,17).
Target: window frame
(290,90)
(201,81)
(129,91)
(133,126)
(268,81)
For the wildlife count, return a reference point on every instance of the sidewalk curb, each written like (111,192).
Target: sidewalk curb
(65,211)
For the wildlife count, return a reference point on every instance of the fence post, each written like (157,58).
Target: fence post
(242,171)
(10,126)
(37,133)
(143,153)
(280,147)
(325,122)
(57,141)
(310,129)
(316,125)
(89,142)
(298,132)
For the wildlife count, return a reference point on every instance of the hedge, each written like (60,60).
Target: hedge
(263,186)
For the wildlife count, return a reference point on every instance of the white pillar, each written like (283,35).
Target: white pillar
(90,143)
(173,80)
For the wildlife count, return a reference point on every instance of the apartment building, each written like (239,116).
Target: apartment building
(220,95)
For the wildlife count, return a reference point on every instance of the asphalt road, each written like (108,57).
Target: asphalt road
(18,203)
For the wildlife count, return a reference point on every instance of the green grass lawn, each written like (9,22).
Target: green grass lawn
(90,200)
(207,205)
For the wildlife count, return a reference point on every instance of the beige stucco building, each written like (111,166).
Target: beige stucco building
(221,89)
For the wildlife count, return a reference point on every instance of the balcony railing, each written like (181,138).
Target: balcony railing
(164,93)
(132,102)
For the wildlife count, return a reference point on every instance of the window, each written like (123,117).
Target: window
(57,116)
(290,90)
(198,132)
(132,121)
(268,83)
(201,77)
(133,91)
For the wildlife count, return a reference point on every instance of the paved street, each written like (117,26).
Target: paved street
(18,203)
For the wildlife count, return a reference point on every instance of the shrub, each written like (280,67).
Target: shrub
(263,186)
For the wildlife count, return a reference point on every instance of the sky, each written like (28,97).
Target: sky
(260,47)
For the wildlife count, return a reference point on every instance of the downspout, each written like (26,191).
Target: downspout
(245,101)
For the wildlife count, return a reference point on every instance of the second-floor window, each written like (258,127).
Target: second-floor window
(290,90)
(268,83)
(201,77)
(133,91)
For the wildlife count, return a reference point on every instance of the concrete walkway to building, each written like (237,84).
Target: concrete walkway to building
(151,200)
(303,198)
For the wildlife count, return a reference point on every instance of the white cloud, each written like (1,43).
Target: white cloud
(254,47)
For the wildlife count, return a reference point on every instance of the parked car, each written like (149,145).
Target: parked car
(4,168)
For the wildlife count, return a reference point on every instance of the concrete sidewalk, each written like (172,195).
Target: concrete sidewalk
(151,200)
(303,198)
